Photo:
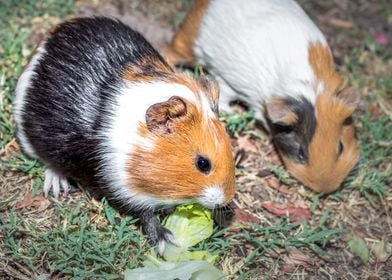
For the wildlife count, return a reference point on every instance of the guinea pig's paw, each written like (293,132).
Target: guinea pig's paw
(159,235)
(167,237)
(168,210)
(55,182)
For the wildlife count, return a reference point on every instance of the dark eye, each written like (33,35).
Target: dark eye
(301,154)
(341,148)
(203,164)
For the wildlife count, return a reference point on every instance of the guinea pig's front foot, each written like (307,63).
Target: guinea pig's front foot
(155,232)
(55,182)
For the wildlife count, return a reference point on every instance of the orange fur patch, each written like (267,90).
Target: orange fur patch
(180,49)
(197,86)
(326,170)
(168,170)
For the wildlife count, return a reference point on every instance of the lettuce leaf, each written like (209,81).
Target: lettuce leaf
(190,270)
(190,224)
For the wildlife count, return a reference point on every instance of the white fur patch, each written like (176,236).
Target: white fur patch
(212,197)
(121,135)
(206,105)
(259,51)
(320,87)
(22,86)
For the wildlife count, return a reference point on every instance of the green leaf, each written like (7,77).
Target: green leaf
(359,248)
(191,270)
(177,254)
(190,224)
(380,251)
(4,203)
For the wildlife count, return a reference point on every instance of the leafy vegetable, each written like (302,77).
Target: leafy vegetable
(192,270)
(190,224)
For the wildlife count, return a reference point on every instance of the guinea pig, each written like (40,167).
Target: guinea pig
(97,104)
(270,55)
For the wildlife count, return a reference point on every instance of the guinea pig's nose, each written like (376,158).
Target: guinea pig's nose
(212,197)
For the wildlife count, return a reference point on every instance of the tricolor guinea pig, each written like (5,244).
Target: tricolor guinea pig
(99,105)
(269,54)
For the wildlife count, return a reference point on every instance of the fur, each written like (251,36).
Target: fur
(270,55)
(181,46)
(82,108)
(21,89)
(280,70)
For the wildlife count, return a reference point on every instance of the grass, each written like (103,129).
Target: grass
(238,122)
(374,172)
(89,239)
(261,244)
(16,22)
(373,176)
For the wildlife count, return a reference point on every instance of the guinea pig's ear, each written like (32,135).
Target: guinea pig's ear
(211,88)
(280,113)
(160,116)
(350,97)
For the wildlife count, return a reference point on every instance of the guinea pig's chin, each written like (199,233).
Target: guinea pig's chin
(212,197)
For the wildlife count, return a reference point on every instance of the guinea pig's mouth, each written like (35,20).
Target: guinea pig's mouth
(212,197)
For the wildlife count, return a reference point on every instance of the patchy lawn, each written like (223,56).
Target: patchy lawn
(345,235)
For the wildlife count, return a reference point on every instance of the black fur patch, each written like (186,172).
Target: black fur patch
(72,90)
(293,141)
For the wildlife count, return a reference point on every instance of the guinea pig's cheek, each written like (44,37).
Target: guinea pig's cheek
(291,165)
(212,197)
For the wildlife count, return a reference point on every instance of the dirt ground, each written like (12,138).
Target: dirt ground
(342,22)
(156,20)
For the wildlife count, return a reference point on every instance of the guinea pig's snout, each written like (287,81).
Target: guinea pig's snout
(212,197)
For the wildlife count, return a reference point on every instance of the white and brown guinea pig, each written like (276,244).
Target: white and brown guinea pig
(99,105)
(269,54)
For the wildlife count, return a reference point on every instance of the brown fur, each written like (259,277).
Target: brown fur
(325,169)
(147,69)
(180,131)
(180,51)
(160,116)
(278,112)
(168,171)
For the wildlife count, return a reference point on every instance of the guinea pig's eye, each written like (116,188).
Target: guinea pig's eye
(301,154)
(341,148)
(203,164)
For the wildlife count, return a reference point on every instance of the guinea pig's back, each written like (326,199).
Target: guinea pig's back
(64,97)
(255,46)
